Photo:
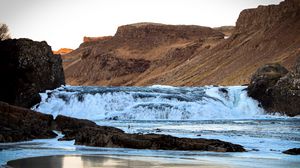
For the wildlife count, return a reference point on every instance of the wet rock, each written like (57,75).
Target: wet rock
(293,151)
(277,89)
(73,127)
(286,95)
(262,80)
(88,133)
(28,67)
(20,124)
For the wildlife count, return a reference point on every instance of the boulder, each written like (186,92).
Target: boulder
(277,89)
(294,151)
(28,67)
(262,80)
(88,133)
(20,124)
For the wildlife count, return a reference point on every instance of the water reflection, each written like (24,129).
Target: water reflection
(76,162)
(93,161)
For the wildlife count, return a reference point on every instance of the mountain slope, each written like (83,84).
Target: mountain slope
(191,55)
(136,49)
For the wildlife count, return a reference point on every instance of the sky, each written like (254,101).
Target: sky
(64,23)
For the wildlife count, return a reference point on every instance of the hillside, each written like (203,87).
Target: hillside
(148,53)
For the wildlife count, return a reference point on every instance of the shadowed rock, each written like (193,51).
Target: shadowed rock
(28,67)
(264,78)
(20,124)
(294,151)
(88,133)
(277,89)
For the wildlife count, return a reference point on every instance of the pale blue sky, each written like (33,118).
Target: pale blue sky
(63,23)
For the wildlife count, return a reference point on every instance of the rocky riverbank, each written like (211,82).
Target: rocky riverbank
(21,124)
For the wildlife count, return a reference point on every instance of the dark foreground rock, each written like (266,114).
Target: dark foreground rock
(88,133)
(27,68)
(20,124)
(277,89)
(294,151)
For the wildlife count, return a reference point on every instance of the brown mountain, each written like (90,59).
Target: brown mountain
(148,53)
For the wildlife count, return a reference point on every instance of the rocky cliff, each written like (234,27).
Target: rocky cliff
(27,68)
(191,55)
(135,51)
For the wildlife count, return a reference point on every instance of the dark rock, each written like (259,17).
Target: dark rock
(88,133)
(276,89)
(28,67)
(63,123)
(286,95)
(20,124)
(71,127)
(294,151)
(297,66)
(223,90)
(264,78)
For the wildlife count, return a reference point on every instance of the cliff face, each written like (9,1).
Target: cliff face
(264,17)
(194,55)
(136,49)
(91,39)
(251,45)
(28,68)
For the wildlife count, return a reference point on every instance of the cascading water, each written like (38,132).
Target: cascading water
(150,103)
(224,113)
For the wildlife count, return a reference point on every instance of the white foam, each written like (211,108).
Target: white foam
(151,103)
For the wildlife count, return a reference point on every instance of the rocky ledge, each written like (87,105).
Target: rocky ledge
(277,89)
(28,68)
(85,132)
(20,124)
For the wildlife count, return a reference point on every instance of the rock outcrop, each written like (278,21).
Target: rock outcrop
(88,133)
(27,68)
(293,151)
(20,124)
(277,89)
(91,39)
(266,34)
